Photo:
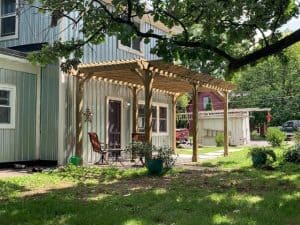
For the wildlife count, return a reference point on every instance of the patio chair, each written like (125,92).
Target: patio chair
(96,145)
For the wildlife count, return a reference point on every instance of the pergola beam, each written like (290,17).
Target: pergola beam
(226,143)
(195,122)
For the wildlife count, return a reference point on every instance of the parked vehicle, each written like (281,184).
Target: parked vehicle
(291,126)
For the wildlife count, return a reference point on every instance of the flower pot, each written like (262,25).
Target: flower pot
(75,160)
(155,166)
(258,160)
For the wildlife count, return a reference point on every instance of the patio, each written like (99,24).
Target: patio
(150,76)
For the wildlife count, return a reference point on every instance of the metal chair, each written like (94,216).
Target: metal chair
(96,145)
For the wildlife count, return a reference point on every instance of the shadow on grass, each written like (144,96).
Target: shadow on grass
(190,197)
(9,189)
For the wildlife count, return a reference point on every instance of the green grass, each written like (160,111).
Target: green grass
(230,191)
(189,151)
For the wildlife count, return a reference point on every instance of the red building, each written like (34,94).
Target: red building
(207,98)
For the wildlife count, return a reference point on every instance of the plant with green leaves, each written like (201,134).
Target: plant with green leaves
(275,136)
(296,138)
(219,139)
(151,152)
(273,83)
(205,34)
(292,154)
(262,156)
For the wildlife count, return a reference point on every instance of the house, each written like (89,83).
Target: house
(46,114)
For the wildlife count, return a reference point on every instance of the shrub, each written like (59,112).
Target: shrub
(275,136)
(219,139)
(149,151)
(292,154)
(297,138)
(262,156)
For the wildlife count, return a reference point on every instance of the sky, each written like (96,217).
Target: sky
(292,25)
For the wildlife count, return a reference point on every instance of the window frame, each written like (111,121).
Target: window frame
(12,105)
(15,14)
(130,49)
(157,105)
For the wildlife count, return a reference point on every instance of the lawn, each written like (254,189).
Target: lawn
(224,191)
(189,151)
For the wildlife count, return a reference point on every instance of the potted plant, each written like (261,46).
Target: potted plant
(261,156)
(156,158)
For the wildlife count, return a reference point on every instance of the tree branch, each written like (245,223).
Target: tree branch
(266,51)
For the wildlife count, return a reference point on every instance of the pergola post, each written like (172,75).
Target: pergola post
(148,84)
(225,123)
(134,110)
(79,111)
(173,144)
(195,122)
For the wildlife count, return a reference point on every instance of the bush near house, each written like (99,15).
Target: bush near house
(292,154)
(262,157)
(219,139)
(275,136)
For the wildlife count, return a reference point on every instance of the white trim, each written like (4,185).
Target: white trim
(12,105)
(122,119)
(18,64)
(38,115)
(157,105)
(16,14)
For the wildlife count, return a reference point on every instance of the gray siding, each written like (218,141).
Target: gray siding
(19,144)
(95,97)
(34,27)
(49,113)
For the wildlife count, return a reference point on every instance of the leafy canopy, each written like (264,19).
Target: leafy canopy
(273,83)
(220,36)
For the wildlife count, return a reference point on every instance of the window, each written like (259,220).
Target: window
(141,118)
(8,18)
(134,45)
(207,103)
(159,118)
(162,119)
(154,119)
(7,106)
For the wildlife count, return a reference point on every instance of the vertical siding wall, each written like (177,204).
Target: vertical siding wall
(34,27)
(95,97)
(49,113)
(19,144)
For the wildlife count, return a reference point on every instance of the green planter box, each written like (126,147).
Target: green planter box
(155,166)
(75,160)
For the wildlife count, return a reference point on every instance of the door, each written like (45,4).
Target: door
(114,123)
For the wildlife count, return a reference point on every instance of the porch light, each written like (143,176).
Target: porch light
(126,104)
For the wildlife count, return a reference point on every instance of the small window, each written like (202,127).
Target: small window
(7,106)
(163,119)
(159,118)
(134,45)
(8,18)
(141,118)
(207,103)
(154,119)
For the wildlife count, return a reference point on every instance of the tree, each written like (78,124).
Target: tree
(221,36)
(273,83)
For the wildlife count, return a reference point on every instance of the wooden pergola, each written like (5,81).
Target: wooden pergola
(151,76)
